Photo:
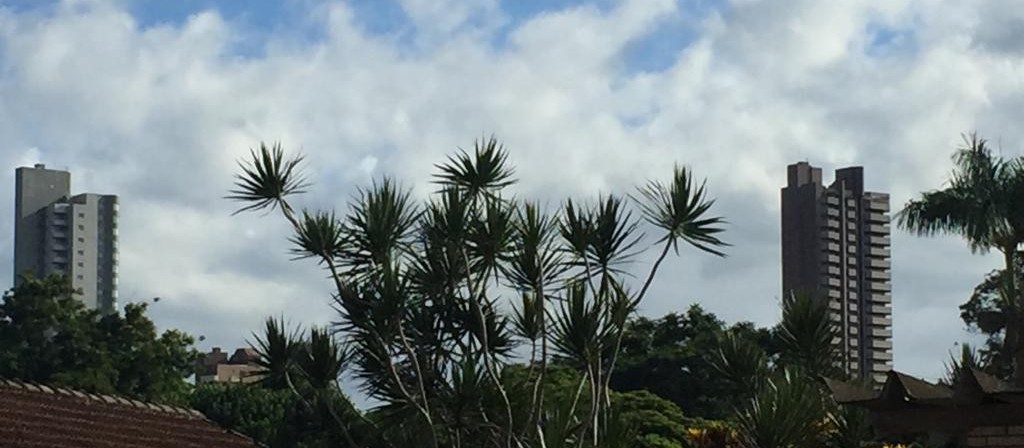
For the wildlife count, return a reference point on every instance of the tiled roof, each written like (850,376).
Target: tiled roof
(39,416)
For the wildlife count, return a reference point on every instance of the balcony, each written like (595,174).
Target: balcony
(881,344)
(879,252)
(878,205)
(876,217)
(878,229)
(878,240)
(878,274)
(879,287)
(881,298)
(879,263)
(881,310)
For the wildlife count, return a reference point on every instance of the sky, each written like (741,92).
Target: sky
(156,101)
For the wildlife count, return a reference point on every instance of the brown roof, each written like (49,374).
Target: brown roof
(916,389)
(40,416)
(245,355)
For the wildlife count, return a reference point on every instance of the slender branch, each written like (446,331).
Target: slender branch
(419,377)
(575,402)
(606,388)
(405,391)
(485,345)
(538,386)
(654,270)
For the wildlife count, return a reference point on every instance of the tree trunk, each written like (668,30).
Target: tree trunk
(1012,342)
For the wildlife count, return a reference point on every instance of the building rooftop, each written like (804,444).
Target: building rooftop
(37,416)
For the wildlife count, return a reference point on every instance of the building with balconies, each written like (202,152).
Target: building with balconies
(74,236)
(836,246)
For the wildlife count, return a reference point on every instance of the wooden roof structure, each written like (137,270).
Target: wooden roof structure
(906,404)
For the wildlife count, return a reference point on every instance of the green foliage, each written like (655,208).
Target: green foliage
(669,357)
(257,412)
(643,418)
(786,403)
(657,423)
(50,337)
(786,412)
(983,312)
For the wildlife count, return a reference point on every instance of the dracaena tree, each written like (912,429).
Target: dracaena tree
(433,299)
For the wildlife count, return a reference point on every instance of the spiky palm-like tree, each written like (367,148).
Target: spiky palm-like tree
(807,335)
(983,202)
(418,293)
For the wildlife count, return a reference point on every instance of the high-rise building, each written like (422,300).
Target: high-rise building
(836,247)
(56,233)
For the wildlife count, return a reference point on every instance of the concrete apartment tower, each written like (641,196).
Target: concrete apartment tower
(835,246)
(56,233)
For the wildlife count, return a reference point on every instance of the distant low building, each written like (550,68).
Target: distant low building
(240,367)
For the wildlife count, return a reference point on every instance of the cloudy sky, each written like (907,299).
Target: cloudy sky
(155,101)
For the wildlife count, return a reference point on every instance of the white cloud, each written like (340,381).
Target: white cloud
(159,115)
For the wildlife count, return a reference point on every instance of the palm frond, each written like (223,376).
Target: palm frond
(682,211)
(379,226)
(958,367)
(579,328)
(615,236)
(786,412)
(535,260)
(267,178)
(319,234)
(322,360)
(740,361)
(483,173)
(973,205)
(491,236)
(277,349)
(807,334)
(526,317)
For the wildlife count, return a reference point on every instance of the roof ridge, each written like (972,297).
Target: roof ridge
(102,398)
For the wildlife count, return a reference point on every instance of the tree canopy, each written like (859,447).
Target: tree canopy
(50,337)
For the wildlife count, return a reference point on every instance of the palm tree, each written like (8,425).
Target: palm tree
(984,203)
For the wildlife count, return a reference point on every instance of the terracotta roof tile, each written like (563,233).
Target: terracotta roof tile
(34,416)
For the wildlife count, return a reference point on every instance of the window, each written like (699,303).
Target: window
(81,227)
(81,240)
(81,252)
(80,276)
(81,265)
(81,215)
